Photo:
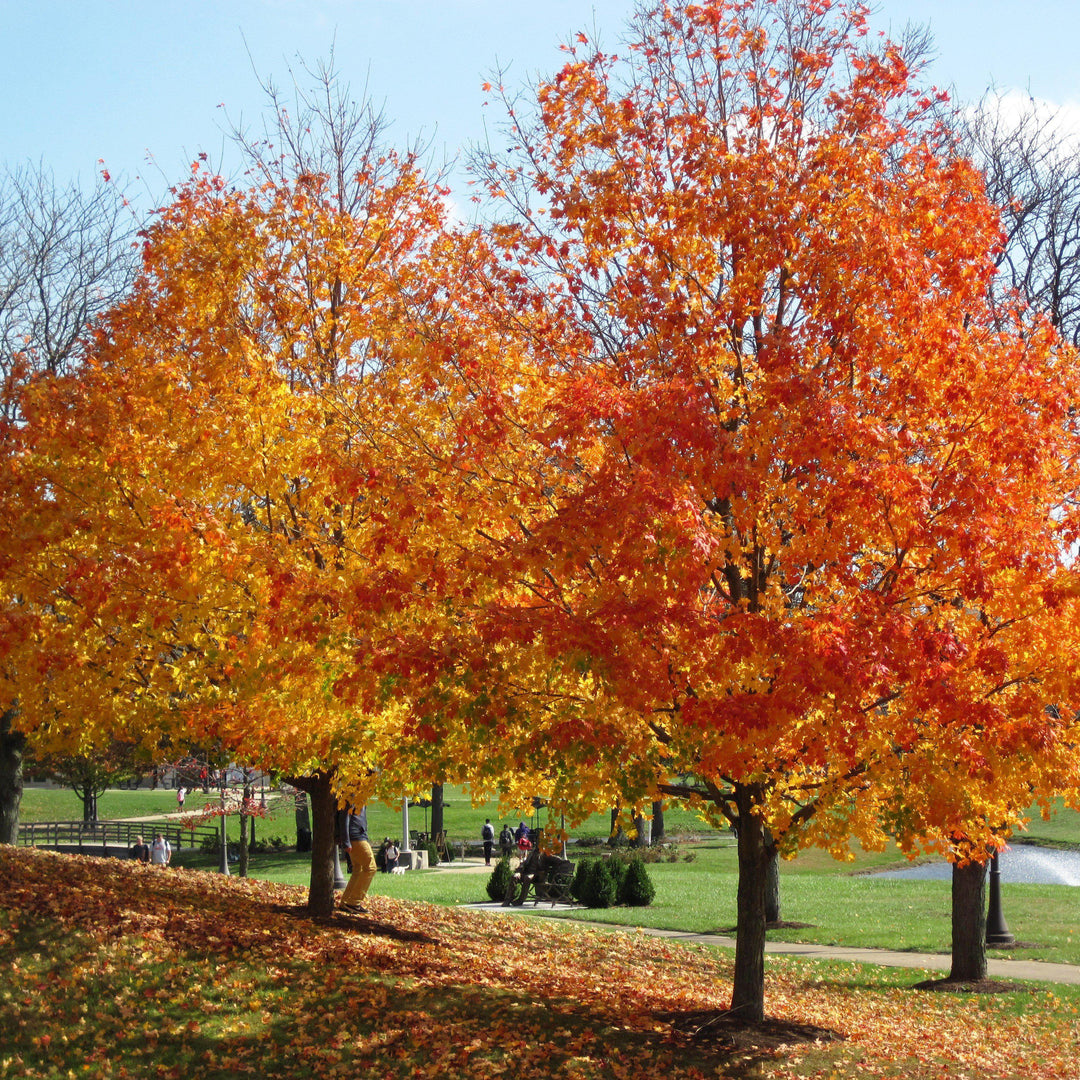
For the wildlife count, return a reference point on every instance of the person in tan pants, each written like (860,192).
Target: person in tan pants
(354,838)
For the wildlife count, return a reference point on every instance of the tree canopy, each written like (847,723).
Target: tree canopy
(707,468)
(816,541)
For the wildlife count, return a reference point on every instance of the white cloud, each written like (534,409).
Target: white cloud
(1060,122)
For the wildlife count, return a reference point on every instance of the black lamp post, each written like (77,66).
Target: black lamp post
(997,932)
(224,868)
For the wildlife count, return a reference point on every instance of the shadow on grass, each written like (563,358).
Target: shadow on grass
(725,1028)
(361,924)
(206,1010)
(169,973)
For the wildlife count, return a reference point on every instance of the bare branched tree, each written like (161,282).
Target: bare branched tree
(1032,170)
(316,128)
(66,256)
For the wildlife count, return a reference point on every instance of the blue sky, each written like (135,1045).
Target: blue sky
(131,80)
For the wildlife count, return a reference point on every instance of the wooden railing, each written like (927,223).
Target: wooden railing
(103,835)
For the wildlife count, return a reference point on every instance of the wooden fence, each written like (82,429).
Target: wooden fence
(105,837)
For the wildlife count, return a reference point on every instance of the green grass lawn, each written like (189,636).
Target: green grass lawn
(840,902)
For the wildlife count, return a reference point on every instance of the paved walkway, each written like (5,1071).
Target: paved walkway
(1018,968)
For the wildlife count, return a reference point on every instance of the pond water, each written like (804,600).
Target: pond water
(1023,863)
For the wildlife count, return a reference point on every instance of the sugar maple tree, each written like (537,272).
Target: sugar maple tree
(268,482)
(240,461)
(810,540)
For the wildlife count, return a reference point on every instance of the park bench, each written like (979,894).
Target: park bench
(556,887)
(547,876)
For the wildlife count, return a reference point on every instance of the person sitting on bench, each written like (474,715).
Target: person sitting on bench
(537,871)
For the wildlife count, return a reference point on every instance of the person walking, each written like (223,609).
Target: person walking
(140,850)
(524,842)
(354,836)
(391,856)
(487,834)
(506,841)
(160,852)
(181,795)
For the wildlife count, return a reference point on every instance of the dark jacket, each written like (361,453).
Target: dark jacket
(352,825)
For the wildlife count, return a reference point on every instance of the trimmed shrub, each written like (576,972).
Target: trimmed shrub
(499,881)
(579,886)
(636,888)
(617,866)
(432,855)
(601,886)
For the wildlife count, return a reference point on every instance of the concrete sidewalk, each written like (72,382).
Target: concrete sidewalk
(1027,970)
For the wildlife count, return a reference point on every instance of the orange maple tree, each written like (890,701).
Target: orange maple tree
(807,545)
(707,471)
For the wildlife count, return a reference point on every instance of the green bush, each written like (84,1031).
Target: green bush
(432,855)
(617,865)
(499,881)
(600,886)
(579,886)
(636,888)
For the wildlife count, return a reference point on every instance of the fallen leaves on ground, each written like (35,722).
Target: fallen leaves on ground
(120,970)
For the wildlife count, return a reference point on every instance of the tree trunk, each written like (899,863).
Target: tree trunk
(616,830)
(436,810)
(772,883)
(323,814)
(968,922)
(748,991)
(12,745)
(88,798)
(657,821)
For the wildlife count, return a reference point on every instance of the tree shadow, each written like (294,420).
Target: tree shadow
(722,1027)
(356,922)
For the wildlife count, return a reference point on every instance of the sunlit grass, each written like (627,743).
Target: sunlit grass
(112,969)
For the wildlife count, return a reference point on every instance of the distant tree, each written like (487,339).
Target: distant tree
(66,255)
(1031,164)
(92,773)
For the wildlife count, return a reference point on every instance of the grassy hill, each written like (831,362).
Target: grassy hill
(115,969)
